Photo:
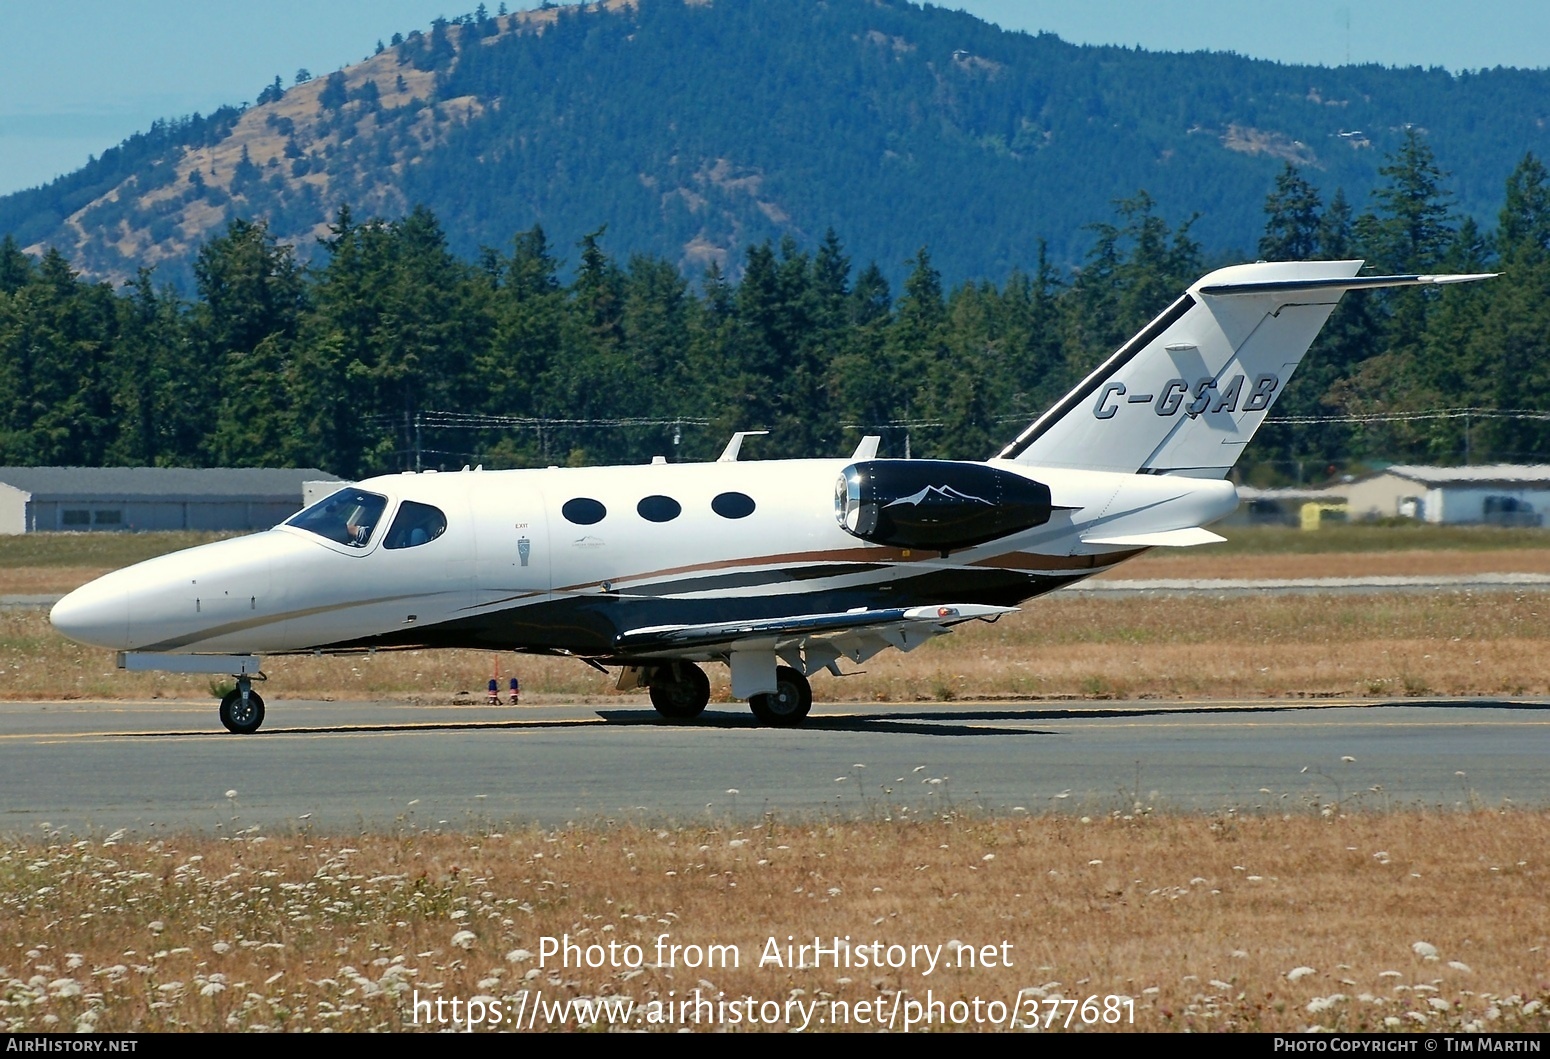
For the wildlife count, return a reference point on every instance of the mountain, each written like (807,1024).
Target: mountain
(693,130)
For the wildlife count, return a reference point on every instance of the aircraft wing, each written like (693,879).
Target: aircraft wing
(816,640)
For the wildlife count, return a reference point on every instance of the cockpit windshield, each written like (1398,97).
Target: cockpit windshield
(348,517)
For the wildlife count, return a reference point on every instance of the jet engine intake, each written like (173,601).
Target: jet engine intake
(936,504)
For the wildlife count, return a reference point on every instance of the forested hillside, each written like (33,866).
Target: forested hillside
(696,131)
(395,352)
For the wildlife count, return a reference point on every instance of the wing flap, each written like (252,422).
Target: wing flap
(893,625)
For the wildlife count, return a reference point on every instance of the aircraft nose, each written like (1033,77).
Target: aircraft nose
(94,614)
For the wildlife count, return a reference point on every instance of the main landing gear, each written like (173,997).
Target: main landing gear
(788,704)
(242,709)
(680,690)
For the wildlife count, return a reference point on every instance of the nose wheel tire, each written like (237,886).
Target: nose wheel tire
(680,691)
(788,704)
(242,717)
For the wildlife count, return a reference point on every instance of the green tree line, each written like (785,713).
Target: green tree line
(391,352)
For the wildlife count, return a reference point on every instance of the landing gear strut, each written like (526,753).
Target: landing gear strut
(242,710)
(680,691)
(788,704)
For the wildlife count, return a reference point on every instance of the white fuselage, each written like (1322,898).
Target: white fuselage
(514,570)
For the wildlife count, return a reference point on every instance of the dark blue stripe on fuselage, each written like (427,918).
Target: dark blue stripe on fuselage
(589,624)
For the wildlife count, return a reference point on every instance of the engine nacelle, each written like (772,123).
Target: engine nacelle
(936,504)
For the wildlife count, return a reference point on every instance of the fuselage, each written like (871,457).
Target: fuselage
(569,560)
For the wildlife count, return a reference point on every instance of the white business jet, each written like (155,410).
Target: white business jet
(777,569)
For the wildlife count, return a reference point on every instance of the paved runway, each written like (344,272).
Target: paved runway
(96,767)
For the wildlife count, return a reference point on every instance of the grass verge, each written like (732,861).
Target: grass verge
(1406,921)
(1250,646)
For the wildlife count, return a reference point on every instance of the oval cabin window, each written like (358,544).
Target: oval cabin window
(733,505)
(659,509)
(583,511)
(414,525)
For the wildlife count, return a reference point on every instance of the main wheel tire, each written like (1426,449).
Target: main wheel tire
(788,704)
(680,695)
(239,717)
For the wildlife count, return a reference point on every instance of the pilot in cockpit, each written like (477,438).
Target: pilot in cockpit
(359,525)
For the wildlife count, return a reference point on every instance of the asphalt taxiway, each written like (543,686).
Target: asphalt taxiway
(96,767)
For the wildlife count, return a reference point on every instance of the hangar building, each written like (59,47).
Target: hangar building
(1501,494)
(40,499)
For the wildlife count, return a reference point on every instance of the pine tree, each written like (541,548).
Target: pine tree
(1509,349)
(1291,219)
(251,298)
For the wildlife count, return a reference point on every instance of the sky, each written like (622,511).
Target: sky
(80,76)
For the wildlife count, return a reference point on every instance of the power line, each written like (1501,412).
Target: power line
(475,421)
(1408,417)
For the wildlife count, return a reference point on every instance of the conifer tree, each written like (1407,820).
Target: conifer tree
(1291,219)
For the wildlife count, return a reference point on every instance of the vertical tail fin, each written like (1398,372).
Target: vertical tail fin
(1187,393)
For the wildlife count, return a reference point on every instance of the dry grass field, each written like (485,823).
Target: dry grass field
(1361,922)
(1246,646)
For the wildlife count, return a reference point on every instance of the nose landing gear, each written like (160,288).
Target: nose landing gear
(242,708)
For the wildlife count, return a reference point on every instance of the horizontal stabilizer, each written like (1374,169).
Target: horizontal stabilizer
(1338,283)
(1179,538)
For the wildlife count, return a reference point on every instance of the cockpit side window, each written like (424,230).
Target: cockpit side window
(414,525)
(347,517)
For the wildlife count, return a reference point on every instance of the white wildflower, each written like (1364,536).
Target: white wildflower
(1299,972)
(1424,949)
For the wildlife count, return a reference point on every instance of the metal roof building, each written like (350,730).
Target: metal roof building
(1500,493)
(35,499)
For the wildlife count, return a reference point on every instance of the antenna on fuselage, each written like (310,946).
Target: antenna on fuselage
(729,454)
